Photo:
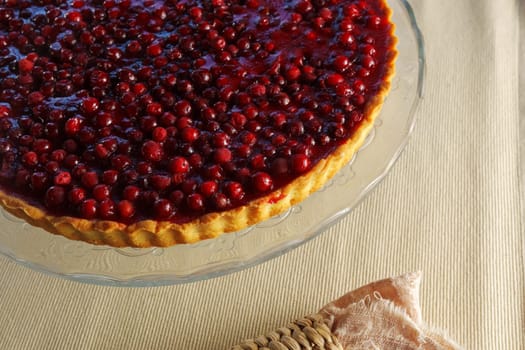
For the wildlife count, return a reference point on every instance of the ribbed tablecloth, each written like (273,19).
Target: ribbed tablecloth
(452,207)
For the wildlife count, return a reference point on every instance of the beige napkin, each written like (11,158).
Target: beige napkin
(381,315)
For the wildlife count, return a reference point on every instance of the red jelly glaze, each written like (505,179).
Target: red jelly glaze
(130,110)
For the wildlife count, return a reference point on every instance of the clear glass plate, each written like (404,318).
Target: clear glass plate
(80,261)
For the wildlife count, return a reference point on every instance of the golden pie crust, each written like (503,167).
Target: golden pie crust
(149,233)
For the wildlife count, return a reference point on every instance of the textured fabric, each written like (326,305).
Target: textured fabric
(384,315)
(450,207)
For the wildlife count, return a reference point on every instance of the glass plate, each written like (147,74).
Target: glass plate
(80,261)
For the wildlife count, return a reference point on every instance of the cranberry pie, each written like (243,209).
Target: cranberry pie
(150,123)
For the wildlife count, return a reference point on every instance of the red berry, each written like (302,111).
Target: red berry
(303,6)
(222,155)
(189,134)
(51,166)
(258,162)
(30,159)
(359,86)
(74,16)
(144,168)
(279,119)
(114,54)
(58,155)
(110,177)
(35,98)
(179,165)
(41,146)
(195,160)
(104,119)
(352,11)
(55,196)
(258,89)
(152,151)
(120,162)
(62,178)
(221,139)
(25,65)
(368,62)
(76,195)
(182,108)
(5,110)
(78,4)
(90,104)
(292,73)
(334,79)
(375,22)
(154,50)
(262,181)
(325,13)
(162,209)
(101,192)
(159,182)
(39,181)
(346,25)
(101,151)
(341,63)
(73,125)
(195,202)
(159,134)
(234,190)
(220,201)
(369,49)
(89,179)
(347,39)
(126,209)
(299,163)
(131,193)
(177,197)
(106,209)
(195,13)
(208,188)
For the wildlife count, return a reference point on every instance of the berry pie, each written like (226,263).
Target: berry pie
(150,123)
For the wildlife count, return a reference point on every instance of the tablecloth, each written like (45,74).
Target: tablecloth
(452,207)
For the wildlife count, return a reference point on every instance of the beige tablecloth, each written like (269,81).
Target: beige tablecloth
(450,207)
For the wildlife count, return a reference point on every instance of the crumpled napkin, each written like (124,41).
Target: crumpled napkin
(381,315)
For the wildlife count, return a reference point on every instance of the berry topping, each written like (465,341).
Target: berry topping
(132,110)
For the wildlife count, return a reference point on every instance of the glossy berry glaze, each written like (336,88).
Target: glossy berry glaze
(129,110)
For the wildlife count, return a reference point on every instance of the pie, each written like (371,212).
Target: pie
(151,123)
